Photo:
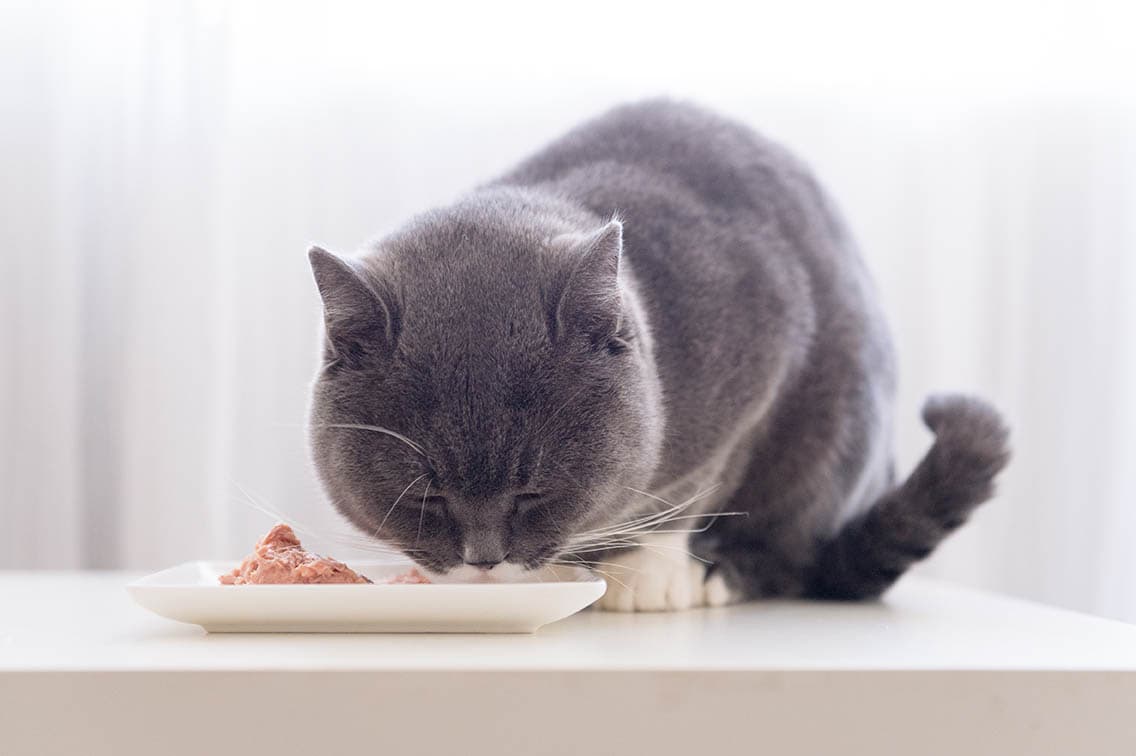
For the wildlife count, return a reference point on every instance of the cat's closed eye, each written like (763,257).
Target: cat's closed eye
(617,345)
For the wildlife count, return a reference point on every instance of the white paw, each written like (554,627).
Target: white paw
(660,576)
(716,592)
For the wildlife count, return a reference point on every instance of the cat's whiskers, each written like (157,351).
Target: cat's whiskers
(357,542)
(636,522)
(657,548)
(663,501)
(658,527)
(590,563)
(396,501)
(661,530)
(376,429)
(669,510)
(422,513)
(625,534)
(604,573)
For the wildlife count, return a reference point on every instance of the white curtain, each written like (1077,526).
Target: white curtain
(166,165)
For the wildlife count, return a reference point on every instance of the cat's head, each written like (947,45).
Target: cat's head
(488,393)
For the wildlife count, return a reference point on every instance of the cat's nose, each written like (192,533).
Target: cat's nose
(484,553)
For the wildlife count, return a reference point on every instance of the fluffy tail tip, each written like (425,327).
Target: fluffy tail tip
(968,427)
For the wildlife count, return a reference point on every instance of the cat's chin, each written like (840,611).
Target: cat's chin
(502,573)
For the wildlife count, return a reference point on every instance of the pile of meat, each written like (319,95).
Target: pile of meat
(279,558)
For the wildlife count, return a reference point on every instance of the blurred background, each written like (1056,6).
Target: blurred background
(164,167)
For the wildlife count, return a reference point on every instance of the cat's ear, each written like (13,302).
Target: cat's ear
(359,322)
(591,300)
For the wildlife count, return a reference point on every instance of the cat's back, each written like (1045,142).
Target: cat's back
(750,280)
(722,163)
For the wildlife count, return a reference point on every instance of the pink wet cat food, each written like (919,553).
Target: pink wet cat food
(279,558)
(412,577)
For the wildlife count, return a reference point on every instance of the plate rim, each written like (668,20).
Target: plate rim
(183,603)
(142,583)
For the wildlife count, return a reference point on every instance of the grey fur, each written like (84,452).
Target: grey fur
(660,300)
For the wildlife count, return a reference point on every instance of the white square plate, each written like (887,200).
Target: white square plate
(190,593)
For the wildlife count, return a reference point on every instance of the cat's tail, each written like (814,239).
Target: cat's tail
(908,522)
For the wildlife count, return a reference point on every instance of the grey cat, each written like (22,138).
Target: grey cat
(657,318)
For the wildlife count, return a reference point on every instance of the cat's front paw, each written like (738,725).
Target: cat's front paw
(660,576)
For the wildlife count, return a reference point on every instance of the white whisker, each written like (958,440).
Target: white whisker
(616,565)
(422,513)
(656,527)
(396,501)
(352,541)
(376,429)
(604,573)
(653,519)
(627,534)
(593,548)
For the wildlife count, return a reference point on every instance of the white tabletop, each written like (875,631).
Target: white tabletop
(85,621)
(930,657)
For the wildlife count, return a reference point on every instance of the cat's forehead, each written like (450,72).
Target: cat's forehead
(461,247)
(474,289)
